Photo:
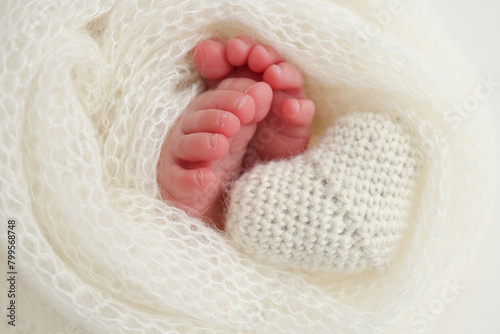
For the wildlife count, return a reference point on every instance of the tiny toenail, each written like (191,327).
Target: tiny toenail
(200,178)
(222,119)
(241,101)
(212,141)
(293,109)
(278,69)
(239,43)
(263,49)
(246,90)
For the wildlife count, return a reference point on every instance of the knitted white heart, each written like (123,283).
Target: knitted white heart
(343,205)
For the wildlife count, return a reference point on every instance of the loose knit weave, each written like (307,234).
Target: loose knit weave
(88,92)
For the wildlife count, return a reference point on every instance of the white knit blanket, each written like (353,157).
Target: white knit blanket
(88,92)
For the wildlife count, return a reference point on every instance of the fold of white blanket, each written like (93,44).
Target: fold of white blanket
(89,90)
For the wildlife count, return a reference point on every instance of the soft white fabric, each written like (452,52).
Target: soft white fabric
(342,206)
(89,90)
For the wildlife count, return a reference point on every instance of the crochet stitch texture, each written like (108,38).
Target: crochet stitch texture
(343,205)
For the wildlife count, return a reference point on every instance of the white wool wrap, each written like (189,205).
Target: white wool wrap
(88,92)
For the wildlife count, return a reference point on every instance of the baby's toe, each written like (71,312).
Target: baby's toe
(210,60)
(189,188)
(244,50)
(263,56)
(260,92)
(298,112)
(201,146)
(262,95)
(238,49)
(284,76)
(226,98)
(211,120)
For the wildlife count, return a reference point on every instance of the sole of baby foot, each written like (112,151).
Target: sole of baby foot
(204,151)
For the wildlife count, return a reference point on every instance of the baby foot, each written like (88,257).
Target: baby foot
(205,149)
(287,128)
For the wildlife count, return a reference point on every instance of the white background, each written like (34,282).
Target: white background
(475,27)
